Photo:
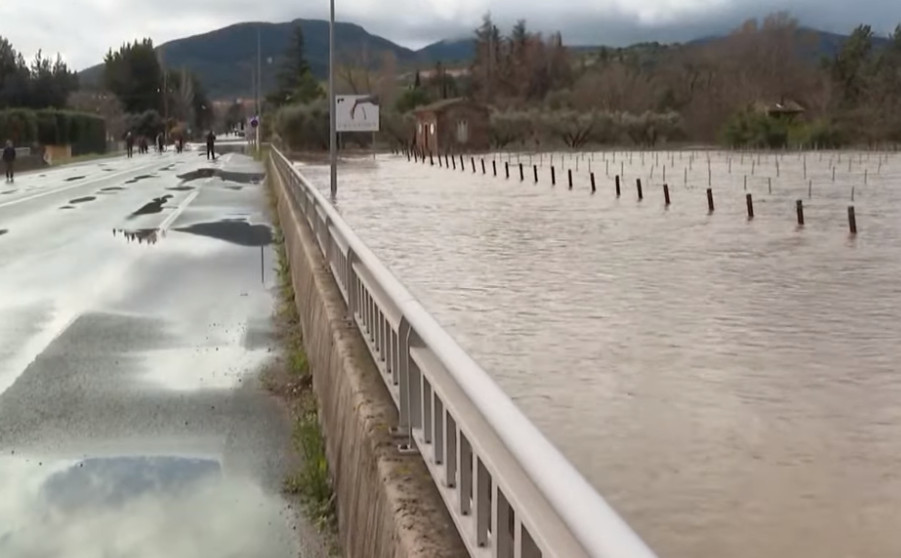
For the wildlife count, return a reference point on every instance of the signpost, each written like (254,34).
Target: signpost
(357,113)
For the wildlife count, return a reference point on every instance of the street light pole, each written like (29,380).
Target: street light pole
(333,134)
(259,88)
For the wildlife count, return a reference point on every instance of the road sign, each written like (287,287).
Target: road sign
(254,122)
(357,113)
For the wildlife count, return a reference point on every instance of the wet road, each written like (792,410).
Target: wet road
(731,386)
(135,302)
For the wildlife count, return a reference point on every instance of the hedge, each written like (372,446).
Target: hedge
(86,133)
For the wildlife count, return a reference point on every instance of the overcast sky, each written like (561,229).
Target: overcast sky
(83,30)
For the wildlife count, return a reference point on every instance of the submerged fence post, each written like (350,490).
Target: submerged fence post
(617,186)
(535,172)
(710,207)
(852,220)
(569,173)
(666,199)
(593,189)
(553,176)
(799,208)
(750,204)
(522,176)
(638,187)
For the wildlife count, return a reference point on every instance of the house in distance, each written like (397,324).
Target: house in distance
(452,126)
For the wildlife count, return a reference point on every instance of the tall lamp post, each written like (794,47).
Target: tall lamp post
(259,87)
(333,134)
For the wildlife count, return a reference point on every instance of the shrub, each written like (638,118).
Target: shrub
(85,133)
(304,126)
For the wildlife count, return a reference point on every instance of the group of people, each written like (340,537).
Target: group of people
(179,142)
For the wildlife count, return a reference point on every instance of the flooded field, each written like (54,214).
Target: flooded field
(729,384)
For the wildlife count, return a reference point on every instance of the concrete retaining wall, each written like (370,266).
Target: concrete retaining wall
(387,504)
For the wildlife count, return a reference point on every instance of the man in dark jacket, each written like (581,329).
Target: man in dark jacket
(9,158)
(211,145)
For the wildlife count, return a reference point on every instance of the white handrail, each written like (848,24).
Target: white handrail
(591,521)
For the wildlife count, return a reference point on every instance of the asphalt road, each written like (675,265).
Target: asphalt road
(135,305)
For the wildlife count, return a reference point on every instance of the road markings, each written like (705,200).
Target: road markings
(78,185)
(164,226)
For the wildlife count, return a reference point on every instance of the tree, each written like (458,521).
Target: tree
(295,82)
(135,76)
(42,84)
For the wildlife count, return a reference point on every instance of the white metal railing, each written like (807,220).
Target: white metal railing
(510,492)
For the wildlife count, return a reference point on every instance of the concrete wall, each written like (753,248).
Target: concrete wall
(387,504)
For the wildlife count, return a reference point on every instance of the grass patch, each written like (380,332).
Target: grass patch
(293,381)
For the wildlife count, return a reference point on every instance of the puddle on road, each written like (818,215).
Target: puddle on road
(235,231)
(5,192)
(137,179)
(74,178)
(83,200)
(3,231)
(180,188)
(112,189)
(68,207)
(197,174)
(155,206)
(107,170)
(154,505)
(141,236)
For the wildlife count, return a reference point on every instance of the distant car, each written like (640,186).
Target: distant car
(239,134)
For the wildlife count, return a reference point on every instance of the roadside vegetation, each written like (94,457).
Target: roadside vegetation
(292,381)
(770,83)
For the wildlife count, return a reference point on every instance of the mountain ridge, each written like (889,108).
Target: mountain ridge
(225,59)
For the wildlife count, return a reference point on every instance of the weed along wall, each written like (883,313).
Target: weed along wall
(387,506)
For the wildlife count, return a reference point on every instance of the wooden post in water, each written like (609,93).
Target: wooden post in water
(852,220)
(535,172)
(454,162)
(666,200)
(431,159)
(810,189)
(473,161)
(553,176)
(483,167)
(750,204)
(593,188)
(710,200)
(522,177)
(638,186)
(494,167)
(617,186)
(799,209)
(569,173)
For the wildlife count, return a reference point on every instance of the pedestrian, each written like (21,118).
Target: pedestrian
(159,142)
(211,145)
(9,159)
(129,144)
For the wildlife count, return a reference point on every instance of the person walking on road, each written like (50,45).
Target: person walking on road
(159,142)
(129,144)
(211,145)
(9,159)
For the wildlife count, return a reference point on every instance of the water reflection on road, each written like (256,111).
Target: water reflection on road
(729,385)
(135,506)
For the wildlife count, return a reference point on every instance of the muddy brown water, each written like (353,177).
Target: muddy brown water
(730,386)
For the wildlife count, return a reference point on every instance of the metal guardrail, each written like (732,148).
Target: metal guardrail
(509,491)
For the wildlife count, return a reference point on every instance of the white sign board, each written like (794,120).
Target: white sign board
(357,113)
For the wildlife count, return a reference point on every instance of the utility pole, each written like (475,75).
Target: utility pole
(333,134)
(259,88)
(165,93)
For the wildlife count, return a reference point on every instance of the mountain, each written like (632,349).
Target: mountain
(226,58)
(813,44)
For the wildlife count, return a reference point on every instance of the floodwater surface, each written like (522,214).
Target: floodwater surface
(730,385)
